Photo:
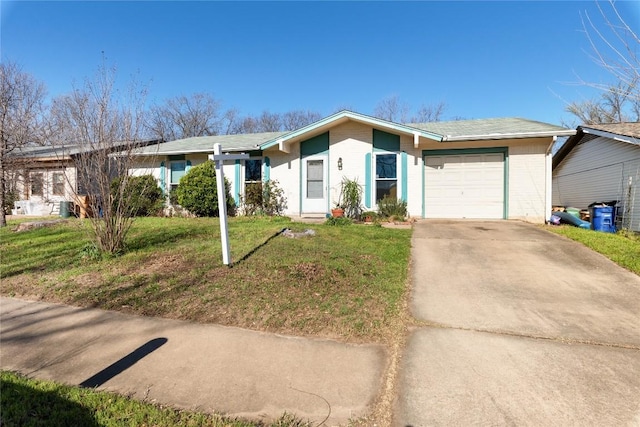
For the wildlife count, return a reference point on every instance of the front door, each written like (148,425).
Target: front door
(314,184)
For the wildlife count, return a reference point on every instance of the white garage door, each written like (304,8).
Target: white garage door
(464,186)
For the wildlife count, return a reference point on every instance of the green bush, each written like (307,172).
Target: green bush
(198,191)
(142,196)
(340,221)
(266,198)
(391,207)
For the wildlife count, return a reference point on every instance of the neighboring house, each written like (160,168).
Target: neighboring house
(492,168)
(41,178)
(601,163)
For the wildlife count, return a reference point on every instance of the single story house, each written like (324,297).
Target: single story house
(601,163)
(41,177)
(490,168)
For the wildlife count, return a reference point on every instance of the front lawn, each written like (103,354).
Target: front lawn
(622,249)
(344,282)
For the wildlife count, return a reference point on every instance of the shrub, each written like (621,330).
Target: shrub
(391,207)
(198,192)
(339,221)
(142,195)
(265,198)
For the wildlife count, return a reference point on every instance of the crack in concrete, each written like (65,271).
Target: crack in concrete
(564,340)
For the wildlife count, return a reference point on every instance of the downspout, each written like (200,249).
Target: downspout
(549,180)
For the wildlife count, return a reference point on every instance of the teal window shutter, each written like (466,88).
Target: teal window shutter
(163,174)
(267,169)
(367,180)
(236,182)
(403,175)
(186,169)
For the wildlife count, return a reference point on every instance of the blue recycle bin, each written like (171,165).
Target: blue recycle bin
(603,218)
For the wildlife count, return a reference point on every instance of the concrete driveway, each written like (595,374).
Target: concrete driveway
(518,327)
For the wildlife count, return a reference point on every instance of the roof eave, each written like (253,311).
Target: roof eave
(514,135)
(342,117)
(611,135)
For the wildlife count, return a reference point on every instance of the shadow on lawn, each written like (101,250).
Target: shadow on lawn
(25,405)
(261,245)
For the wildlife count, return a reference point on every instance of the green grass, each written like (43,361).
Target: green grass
(32,403)
(344,282)
(621,248)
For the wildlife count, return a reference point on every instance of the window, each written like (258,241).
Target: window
(58,184)
(36,184)
(386,176)
(253,178)
(178,170)
(315,181)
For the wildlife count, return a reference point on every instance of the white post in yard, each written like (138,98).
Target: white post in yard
(219,158)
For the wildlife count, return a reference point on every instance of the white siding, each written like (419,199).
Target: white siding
(527,182)
(599,170)
(285,169)
(349,141)
(415,165)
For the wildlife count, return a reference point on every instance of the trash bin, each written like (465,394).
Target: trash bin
(603,218)
(65,209)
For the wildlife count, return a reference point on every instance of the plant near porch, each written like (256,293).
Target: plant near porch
(351,198)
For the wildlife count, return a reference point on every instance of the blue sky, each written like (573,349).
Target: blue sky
(483,59)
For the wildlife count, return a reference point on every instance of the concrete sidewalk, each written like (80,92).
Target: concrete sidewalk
(193,366)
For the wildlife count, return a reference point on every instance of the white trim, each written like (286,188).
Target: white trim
(568,132)
(548,176)
(614,136)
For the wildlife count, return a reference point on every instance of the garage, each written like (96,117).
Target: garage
(468,184)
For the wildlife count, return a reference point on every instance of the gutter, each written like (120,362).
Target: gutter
(200,151)
(449,138)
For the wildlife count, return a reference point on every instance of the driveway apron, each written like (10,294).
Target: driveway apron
(518,326)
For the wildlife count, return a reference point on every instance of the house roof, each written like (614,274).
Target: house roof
(460,130)
(204,144)
(67,151)
(629,129)
(624,132)
(499,128)
(46,152)
(341,117)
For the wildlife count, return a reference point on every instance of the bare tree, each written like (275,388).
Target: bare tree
(269,122)
(615,47)
(244,125)
(186,117)
(296,119)
(429,113)
(21,107)
(97,121)
(392,109)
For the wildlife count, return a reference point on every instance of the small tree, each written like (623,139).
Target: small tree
(198,191)
(105,126)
